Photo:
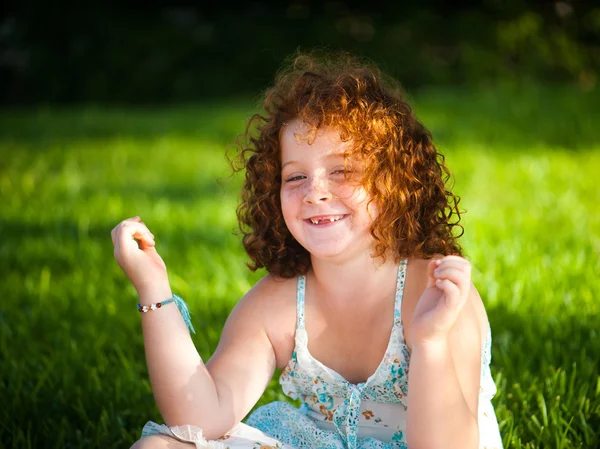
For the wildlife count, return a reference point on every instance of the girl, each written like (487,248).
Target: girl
(368,306)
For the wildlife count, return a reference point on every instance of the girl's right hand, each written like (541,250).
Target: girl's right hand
(141,263)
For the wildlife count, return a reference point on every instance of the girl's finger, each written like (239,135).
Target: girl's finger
(454,262)
(433,264)
(454,258)
(132,226)
(149,233)
(118,232)
(143,235)
(450,289)
(457,278)
(128,230)
(447,262)
(146,240)
(456,275)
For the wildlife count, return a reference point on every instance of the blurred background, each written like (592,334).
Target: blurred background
(115,109)
(163,52)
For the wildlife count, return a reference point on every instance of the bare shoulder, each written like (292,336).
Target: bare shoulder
(270,287)
(272,303)
(269,298)
(478,310)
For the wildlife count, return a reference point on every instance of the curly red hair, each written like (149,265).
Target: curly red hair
(403,172)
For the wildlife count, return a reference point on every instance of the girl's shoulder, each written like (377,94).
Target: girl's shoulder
(272,302)
(273,292)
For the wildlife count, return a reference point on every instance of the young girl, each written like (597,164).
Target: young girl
(368,305)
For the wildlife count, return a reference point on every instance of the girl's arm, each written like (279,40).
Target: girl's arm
(216,396)
(444,386)
(445,363)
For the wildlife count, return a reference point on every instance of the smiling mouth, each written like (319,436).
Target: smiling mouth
(322,220)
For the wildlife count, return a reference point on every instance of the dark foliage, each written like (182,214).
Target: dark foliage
(154,52)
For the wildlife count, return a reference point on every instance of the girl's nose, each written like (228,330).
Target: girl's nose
(318,192)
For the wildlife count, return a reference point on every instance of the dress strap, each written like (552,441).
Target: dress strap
(399,293)
(300,293)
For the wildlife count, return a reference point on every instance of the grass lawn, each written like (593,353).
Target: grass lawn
(526,164)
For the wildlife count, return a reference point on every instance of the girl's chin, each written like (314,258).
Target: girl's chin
(335,252)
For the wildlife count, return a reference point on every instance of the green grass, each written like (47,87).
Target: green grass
(72,372)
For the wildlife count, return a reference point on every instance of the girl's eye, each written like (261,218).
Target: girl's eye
(295,178)
(341,171)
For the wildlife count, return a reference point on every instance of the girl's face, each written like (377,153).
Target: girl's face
(325,212)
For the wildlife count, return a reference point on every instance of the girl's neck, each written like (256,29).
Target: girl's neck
(361,279)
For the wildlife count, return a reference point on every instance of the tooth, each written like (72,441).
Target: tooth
(332,219)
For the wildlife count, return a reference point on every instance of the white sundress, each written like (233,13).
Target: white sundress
(336,414)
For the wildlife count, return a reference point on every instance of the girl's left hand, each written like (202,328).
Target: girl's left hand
(440,304)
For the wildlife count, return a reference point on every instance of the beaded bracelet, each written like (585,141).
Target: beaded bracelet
(158,305)
(181,305)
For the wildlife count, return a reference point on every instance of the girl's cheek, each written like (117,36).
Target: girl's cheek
(292,192)
(290,200)
(355,194)
(346,192)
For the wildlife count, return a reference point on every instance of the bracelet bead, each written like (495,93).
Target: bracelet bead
(181,305)
(158,305)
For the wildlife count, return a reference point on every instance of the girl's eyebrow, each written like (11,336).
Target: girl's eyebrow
(329,156)
(288,163)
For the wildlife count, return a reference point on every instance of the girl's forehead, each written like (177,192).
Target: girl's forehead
(297,137)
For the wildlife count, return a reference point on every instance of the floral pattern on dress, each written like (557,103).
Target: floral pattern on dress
(306,378)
